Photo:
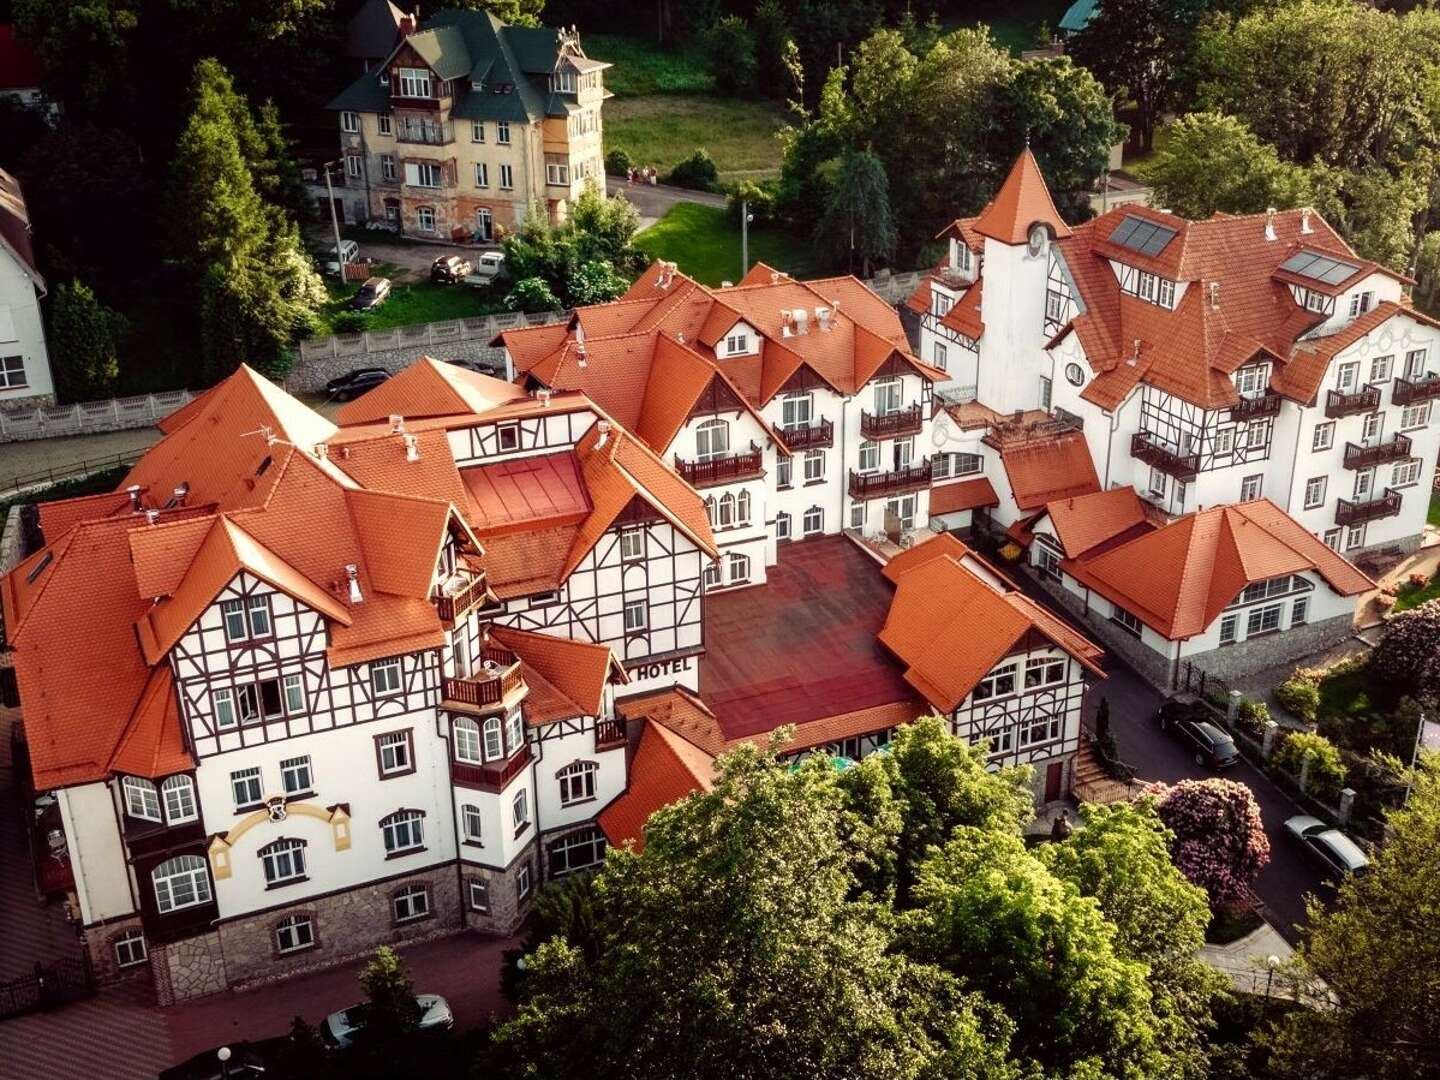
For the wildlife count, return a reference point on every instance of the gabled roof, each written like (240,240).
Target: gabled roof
(1042,471)
(951,627)
(964,495)
(664,770)
(426,388)
(15,225)
(574,672)
(1198,564)
(1084,522)
(153,744)
(1023,200)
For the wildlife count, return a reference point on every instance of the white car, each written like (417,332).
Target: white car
(489,268)
(339,1029)
(349,252)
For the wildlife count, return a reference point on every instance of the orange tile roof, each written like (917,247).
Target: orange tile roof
(664,770)
(1042,472)
(964,316)
(1023,199)
(1300,378)
(965,495)
(944,545)
(525,563)
(59,516)
(380,461)
(951,627)
(1086,521)
(153,744)
(522,494)
(429,387)
(578,670)
(919,301)
(162,553)
(401,536)
(1199,563)
(964,228)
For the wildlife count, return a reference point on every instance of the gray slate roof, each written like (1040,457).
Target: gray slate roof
(370,33)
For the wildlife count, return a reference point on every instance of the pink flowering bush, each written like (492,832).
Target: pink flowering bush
(1219,841)
(1409,651)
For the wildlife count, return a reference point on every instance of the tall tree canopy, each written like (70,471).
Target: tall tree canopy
(1214,162)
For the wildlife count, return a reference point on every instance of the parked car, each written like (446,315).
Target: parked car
(354,383)
(1339,854)
(1188,723)
(495,371)
(246,1062)
(349,252)
(489,269)
(371,295)
(338,1030)
(449,269)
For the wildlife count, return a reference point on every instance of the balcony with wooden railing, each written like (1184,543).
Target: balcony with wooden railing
(892,425)
(609,734)
(493,775)
(460,595)
(725,469)
(1257,407)
(1338,404)
(490,687)
(1421,388)
(1352,512)
(878,485)
(1396,448)
(1147,448)
(809,436)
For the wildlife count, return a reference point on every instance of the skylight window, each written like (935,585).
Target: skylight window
(1141,235)
(1325,269)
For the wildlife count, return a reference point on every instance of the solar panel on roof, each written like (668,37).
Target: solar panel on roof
(1142,235)
(1322,268)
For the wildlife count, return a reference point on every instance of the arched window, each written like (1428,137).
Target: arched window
(712,440)
(295,933)
(467,741)
(179,792)
(471,823)
(577,782)
(180,882)
(284,860)
(742,509)
(493,750)
(711,577)
(404,831)
(141,799)
(710,509)
(727,510)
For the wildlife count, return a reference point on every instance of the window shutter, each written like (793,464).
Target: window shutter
(412,173)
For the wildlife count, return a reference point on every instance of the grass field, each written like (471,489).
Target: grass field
(641,67)
(663,129)
(409,302)
(701,240)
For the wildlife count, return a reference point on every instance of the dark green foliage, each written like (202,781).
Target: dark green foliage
(349,322)
(531,295)
(21,128)
(697,171)
(391,1011)
(857,223)
(587,259)
(510,12)
(774,46)
(84,340)
(730,44)
(1104,734)
(759,200)
(618,163)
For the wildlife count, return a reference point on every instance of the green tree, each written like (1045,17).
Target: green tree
(604,229)
(531,295)
(510,12)
(83,45)
(1377,208)
(857,220)
(1138,49)
(1214,162)
(1377,951)
(1121,858)
(732,947)
(596,282)
(584,260)
(84,340)
(1219,839)
(391,1011)
(730,44)
(773,40)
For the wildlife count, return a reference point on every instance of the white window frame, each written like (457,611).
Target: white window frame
(477,131)
(1048,671)
(493,740)
(349,121)
(502,132)
(888,400)
(297,775)
(522,882)
(632,544)
(818,516)
(1265,619)
(1415,416)
(520,810)
(388,170)
(403,832)
(814,465)
(712,440)
(131,948)
(1347,376)
(396,754)
(637,616)
(415,82)
(385,676)
(784,472)
(1230,628)
(294,933)
(467,741)
(425,218)
(869,456)
(1001,682)
(738,568)
(247,782)
(782,526)
(1254,484)
(1404,473)
(797,410)
(1415,363)
(410,903)
(577,782)
(482,174)
(142,800)
(1323,437)
(1332,538)
(1381,368)
(507,177)
(1315,491)
(283,861)
(178,794)
(292,694)
(479,895)
(472,824)
(1127,620)
(1354,537)
(188,871)
(939,355)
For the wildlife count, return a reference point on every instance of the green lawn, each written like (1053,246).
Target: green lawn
(1014,24)
(409,302)
(1433,516)
(642,67)
(701,240)
(664,129)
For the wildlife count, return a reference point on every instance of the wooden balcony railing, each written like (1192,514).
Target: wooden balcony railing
(489,685)
(609,734)
(1362,457)
(809,436)
(1409,391)
(745,465)
(1338,404)
(1253,408)
(892,425)
(454,606)
(492,776)
(1350,512)
(897,482)
(1145,447)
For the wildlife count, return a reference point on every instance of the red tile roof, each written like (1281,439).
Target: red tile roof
(965,495)
(429,387)
(153,744)
(577,671)
(964,316)
(1023,200)
(665,769)
(1199,563)
(525,493)
(1040,472)
(1084,522)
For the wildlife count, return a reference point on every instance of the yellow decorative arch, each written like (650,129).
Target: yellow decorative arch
(337,817)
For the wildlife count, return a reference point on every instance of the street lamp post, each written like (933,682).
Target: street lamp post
(224,1055)
(334,220)
(1272,962)
(745,218)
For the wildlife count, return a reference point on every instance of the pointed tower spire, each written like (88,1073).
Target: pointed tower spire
(1021,201)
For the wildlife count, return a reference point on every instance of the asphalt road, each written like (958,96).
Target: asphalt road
(1156,755)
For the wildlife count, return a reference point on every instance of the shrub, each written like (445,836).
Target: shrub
(1300,694)
(1104,734)
(618,162)
(1408,655)
(531,295)
(596,282)
(1252,716)
(1219,841)
(696,172)
(1327,770)
(349,322)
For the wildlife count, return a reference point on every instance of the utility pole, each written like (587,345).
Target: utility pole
(335,222)
(745,220)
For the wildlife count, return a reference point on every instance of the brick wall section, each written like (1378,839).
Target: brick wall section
(507,909)
(100,943)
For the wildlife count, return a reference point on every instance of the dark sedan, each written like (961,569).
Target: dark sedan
(1187,722)
(354,383)
(371,295)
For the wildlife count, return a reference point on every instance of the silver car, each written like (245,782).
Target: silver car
(339,1029)
(1340,855)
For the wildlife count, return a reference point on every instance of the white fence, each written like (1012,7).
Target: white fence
(47,422)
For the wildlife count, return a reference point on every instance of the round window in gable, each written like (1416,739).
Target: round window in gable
(1074,374)
(1037,240)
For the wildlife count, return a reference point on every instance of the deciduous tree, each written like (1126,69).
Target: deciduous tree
(1219,839)
(857,221)
(1214,162)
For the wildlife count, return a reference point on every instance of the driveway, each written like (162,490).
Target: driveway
(655,200)
(1154,755)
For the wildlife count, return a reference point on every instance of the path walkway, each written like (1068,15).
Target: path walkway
(1250,961)
(654,201)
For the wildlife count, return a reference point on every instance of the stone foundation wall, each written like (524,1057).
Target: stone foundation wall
(1237,661)
(507,909)
(100,944)
(190,968)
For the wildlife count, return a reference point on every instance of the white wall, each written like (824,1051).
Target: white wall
(97,854)
(22,332)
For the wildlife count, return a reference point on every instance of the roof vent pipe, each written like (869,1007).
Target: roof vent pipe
(181,492)
(604,428)
(352,575)
(322,452)
(1215,295)
(412,448)
(1305,221)
(152,516)
(1270,223)
(397,424)
(134,491)
(542,395)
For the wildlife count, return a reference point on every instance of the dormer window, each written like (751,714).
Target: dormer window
(1361,303)
(1252,381)
(1315,301)
(563,81)
(737,342)
(1165,293)
(415,83)
(964,257)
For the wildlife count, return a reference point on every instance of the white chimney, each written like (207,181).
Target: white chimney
(802,320)
(412,448)
(134,492)
(787,323)
(322,452)
(1134,357)
(774,277)
(152,516)
(542,395)
(727,284)
(352,575)
(604,428)
(397,424)
(1270,223)
(181,492)
(1305,221)
(1215,295)
(822,318)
